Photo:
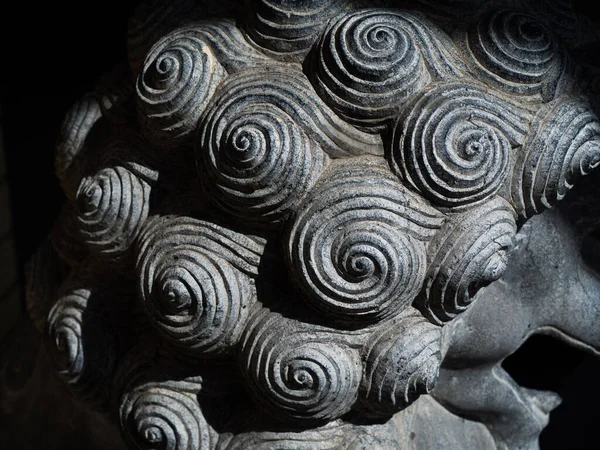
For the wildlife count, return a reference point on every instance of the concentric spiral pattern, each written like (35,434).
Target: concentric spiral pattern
(516,53)
(257,162)
(289,28)
(403,358)
(357,246)
(112,206)
(453,143)
(288,90)
(302,193)
(165,415)
(179,76)
(82,341)
(367,64)
(296,373)
(563,144)
(194,282)
(469,253)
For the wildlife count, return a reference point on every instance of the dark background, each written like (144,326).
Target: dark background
(52,54)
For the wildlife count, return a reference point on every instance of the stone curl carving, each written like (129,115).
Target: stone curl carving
(518,54)
(178,78)
(165,415)
(256,161)
(288,90)
(360,174)
(195,281)
(357,245)
(113,203)
(286,29)
(297,372)
(369,63)
(453,143)
(469,252)
(403,357)
(562,145)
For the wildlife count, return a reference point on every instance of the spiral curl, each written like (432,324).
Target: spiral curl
(403,358)
(288,29)
(165,415)
(516,53)
(112,206)
(297,373)
(470,252)
(453,143)
(286,89)
(366,66)
(179,76)
(356,248)
(83,341)
(563,145)
(257,163)
(194,282)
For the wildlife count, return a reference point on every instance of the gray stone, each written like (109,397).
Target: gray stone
(321,226)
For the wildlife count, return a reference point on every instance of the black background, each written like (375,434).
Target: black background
(51,54)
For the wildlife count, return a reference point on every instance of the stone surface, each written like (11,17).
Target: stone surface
(319,224)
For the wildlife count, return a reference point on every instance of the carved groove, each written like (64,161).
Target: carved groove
(372,60)
(179,77)
(298,374)
(228,44)
(453,143)
(305,195)
(257,162)
(288,90)
(516,53)
(287,29)
(563,145)
(194,282)
(165,415)
(356,247)
(470,251)
(369,62)
(402,362)
(112,206)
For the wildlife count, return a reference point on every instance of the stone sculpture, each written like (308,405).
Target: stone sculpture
(280,228)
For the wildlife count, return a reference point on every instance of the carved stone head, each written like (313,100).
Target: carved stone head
(282,216)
